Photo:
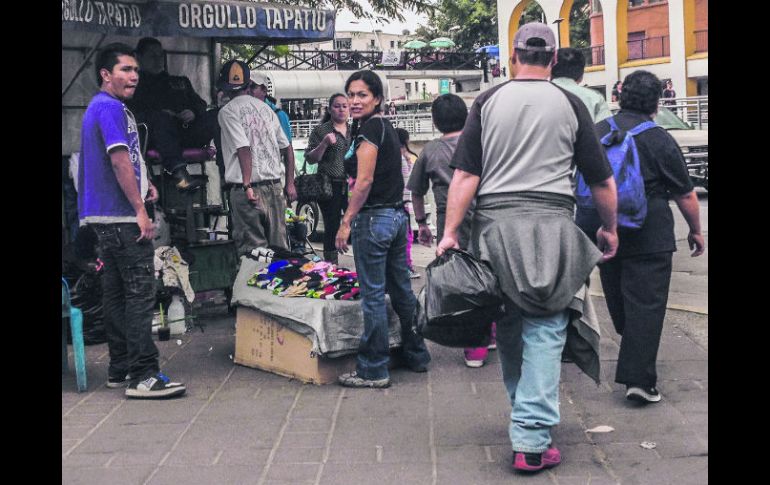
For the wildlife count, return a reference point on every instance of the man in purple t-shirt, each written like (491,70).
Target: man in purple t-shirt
(114,186)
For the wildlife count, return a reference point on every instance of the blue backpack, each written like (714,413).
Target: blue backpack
(624,160)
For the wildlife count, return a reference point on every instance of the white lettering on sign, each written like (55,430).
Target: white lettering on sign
(208,16)
(251,17)
(294,19)
(109,13)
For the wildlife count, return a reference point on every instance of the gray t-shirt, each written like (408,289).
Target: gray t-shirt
(432,169)
(527,136)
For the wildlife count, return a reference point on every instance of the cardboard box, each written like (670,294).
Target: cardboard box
(262,342)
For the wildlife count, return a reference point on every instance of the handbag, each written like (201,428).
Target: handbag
(313,186)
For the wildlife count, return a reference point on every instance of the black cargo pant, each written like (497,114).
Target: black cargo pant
(636,290)
(128,284)
(332,211)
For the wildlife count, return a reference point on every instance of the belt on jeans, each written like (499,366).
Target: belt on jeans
(396,205)
(229,186)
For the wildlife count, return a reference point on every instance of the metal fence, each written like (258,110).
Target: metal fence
(594,55)
(692,109)
(648,48)
(339,59)
(414,123)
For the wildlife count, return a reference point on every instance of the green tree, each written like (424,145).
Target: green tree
(469,23)
(533,13)
(580,24)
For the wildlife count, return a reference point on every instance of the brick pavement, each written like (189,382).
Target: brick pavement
(449,426)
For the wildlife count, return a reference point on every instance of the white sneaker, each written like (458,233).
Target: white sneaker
(643,395)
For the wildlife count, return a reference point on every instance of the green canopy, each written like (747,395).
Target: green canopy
(415,44)
(442,43)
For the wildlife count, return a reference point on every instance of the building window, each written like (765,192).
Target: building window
(371,42)
(343,43)
(399,44)
(393,44)
(635,3)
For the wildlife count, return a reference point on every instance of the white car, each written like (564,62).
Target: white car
(693,143)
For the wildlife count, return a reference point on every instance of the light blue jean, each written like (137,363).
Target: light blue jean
(379,250)
(530,354)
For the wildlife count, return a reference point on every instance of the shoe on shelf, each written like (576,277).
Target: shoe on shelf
(158,386)
(413,274)
(118,382)
(475,357)
(493,341)
(644,395)
(351,379)
(184,182)
(532,462)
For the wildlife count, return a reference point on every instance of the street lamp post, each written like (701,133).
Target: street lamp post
(558,31)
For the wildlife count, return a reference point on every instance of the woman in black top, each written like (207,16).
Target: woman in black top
(636,280)
(327,146)
(378,223)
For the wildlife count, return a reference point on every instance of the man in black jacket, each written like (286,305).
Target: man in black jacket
(176,116)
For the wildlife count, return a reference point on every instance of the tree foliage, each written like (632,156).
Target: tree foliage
(532,13)
(580,24)
(381,10)
(469,23)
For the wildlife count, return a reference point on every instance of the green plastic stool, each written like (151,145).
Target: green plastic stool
(75,317)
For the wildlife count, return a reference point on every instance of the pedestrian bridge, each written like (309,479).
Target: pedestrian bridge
(419,125)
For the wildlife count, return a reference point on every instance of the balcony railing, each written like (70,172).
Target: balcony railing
(702,40)
(594,55)
(648,48)
(354,60)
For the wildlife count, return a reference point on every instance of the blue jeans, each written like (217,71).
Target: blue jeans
(530,354)
(128,285)
(379,250)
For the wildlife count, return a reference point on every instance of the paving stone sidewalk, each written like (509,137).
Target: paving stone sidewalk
(239,425)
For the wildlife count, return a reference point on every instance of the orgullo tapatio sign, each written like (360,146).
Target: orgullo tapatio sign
(216,19)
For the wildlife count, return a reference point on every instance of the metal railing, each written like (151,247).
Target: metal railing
(322,60)
(648,48)
(702,40)
(692,109)
(414,123)
(594,55)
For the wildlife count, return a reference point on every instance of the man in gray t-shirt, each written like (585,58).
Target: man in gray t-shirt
(432,167)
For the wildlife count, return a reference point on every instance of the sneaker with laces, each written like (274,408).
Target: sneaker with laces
(118,382)
(493,341)
(475,357)
(532,462)
(351,379)
(644,395)
(413,274)
(155,387)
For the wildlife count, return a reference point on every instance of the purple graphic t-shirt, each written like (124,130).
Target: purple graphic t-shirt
(107,124)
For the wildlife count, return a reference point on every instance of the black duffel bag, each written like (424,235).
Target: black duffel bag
(459,302)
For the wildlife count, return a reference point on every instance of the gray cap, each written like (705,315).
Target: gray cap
(534,30)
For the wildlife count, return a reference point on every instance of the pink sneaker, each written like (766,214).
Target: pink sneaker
(475,357)
(493,341)
(532,462)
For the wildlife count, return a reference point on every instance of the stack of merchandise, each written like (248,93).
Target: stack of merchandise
(300,277)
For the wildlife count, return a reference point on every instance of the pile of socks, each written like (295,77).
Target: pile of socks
(301,277)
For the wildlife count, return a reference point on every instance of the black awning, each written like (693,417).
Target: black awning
(232,21)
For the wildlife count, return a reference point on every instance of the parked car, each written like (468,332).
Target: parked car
(693,143)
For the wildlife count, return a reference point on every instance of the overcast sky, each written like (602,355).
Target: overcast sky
(345,19)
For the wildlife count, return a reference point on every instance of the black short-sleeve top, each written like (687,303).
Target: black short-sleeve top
(388,184)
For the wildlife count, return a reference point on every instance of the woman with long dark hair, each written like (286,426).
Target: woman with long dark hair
(327,146)
(378,223)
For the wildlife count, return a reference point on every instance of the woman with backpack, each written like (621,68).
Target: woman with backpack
(636,280)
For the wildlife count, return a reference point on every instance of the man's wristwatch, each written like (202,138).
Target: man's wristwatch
(246,187)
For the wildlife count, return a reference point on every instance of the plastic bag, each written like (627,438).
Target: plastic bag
(459,302)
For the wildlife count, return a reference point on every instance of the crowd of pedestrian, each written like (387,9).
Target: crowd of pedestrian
(502,177)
